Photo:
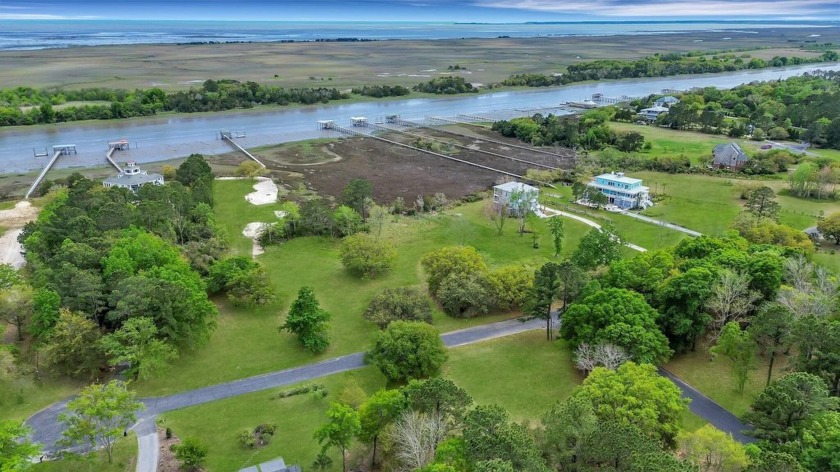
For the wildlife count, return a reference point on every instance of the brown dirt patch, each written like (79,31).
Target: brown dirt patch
(166,458)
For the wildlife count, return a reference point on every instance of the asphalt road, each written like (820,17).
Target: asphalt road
(47,429)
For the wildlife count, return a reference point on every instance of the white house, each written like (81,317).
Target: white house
(622,191)
(133,178)
(517,196)
(652,113)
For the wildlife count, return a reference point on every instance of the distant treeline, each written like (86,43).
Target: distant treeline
(213,95)
(447,85)
(283,41)
(661,66)
(379,91)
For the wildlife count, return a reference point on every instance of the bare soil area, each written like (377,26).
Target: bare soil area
(13,220)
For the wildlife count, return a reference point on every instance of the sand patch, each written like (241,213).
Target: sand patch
(265,192)
(13,219)
(16,217)
(10,249)
(253,231)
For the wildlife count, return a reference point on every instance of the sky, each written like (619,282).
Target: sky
(498,11)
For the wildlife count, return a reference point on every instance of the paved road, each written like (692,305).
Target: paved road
(47,429)
(711,411)
(547,212)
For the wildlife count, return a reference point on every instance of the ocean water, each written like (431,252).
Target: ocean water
(44,34)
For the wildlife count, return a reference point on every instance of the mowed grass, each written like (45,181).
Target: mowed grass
(713,377)
(523,373)
(674,143)
(247,341)
(19,402)
(124,460)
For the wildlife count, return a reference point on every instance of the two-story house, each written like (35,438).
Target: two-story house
(622,191)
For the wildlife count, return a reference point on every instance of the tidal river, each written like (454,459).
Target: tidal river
(157,139)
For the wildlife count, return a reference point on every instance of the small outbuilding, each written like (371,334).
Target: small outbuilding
(729,156)
(132,178)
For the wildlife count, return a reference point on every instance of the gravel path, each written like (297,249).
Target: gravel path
(549,212)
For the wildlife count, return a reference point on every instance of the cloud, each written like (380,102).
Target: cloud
(669,8)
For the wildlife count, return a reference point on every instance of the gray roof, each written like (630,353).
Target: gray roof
(668,99)
(729,154)
(128,180)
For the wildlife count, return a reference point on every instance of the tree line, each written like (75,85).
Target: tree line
(661,65)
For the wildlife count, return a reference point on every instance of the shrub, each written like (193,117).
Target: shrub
(366,256)
(168,433)
(393,304)
(408,350)
(466,296)
(250,169)
(453,260)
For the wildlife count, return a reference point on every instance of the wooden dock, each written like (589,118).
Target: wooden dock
(108,157)
(58,153)
(227,136)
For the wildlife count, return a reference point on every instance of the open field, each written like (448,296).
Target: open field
(525,359)
(345,65)
(313,261)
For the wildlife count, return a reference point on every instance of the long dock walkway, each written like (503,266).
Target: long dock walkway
(43,173)
(251,156)
(109,157)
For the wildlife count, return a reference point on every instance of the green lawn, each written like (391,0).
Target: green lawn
(18,402)
(124,460)
(247,342)
(714,378)
(674,143)
(488,371)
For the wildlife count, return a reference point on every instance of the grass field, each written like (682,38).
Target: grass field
(124,460)
(314,261)
(481,369)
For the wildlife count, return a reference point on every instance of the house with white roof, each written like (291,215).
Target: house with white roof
(667,101)
(517,195)
(624,192)
(133,178)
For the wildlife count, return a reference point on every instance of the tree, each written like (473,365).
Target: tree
(439,398)
(511,284)
(191,454)
(308,321)
(598,247)
(244,280)
(414,437)
(636,395)
(408,350)
(739,347)
(542,295)
(99,415)
(682,300)
(15,447)
(571,281)
(780,411)
(342,426)
(466,296)
(356,194)
(193,169)
(731,299)
(458,260)
(772,329)
(46,305)
(346,221)
(819,351)
(16,307)
(619,317)
(8,276)
(712,450)
(73,348)
(137,344)
(393,304)
(490,435)
(565,428)
(366,256)
(497,213)
(762,203)
(615,445)
(830,227)
(605,355)
(820,443)
(555,227)
(380,411)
